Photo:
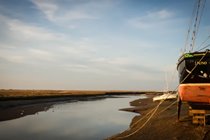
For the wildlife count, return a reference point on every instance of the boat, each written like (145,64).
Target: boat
(194,67)
(165,96)
(194,77)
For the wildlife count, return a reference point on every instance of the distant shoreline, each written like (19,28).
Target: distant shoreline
(13,94)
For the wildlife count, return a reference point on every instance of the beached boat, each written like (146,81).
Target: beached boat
(194,77)
(194,66)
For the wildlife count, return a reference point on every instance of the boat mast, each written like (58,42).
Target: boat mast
(194,25)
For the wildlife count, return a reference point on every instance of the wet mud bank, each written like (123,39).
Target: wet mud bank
(164,123)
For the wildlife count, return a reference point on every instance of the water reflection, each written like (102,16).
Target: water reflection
(13,109)
(75,120)
(18,112)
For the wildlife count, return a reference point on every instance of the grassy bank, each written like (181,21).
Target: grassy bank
(17,93)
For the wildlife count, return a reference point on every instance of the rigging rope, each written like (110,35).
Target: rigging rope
(189,29)
(194,32)
(205,47)
(199,13)
(203,43)
(194,25)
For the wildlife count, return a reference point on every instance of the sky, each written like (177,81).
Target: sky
(94,44)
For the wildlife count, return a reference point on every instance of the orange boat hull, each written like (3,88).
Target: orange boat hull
(199,93)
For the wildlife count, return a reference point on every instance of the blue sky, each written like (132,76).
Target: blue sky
(93,44)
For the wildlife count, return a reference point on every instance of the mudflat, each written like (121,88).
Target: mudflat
(163,124)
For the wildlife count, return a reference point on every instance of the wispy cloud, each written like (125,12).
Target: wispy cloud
(26,32)
(127,66)
(30,43)
(26,55)
(42,55)
(152,19)
(56,13)
(17,30)
(162,14)
(11,57)
(47,7)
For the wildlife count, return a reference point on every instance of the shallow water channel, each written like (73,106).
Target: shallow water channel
(78,120)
